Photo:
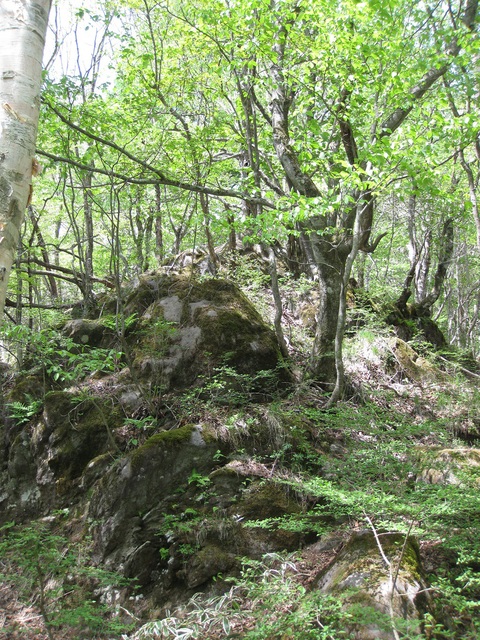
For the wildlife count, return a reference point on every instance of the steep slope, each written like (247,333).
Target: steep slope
(170,445)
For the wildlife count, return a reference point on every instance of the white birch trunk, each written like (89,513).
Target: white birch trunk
(23,27)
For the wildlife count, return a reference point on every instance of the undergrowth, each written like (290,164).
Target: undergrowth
(47,570)
(394,458)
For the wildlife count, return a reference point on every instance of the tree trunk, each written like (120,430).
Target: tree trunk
(23,25)
(329,262)
(89,297)
(50,280)
(329,254)
(472,190)
(159,248)
(208,234)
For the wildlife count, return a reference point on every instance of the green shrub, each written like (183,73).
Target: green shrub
(57,578)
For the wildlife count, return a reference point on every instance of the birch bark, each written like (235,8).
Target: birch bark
(23,26)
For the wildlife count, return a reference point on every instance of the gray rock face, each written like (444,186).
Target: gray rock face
(451,466)
(186,328)
(178,332)
(144,504)
(129,501)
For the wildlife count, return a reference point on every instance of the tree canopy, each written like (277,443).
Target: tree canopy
(343,137)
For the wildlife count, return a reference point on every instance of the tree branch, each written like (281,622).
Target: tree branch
(394,120)
(36,305)
(226,193)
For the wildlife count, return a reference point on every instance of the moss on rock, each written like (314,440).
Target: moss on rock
(187,327)
(178,436)
(26,388)
(415,367)
(91,333)
(205,564)
(74,433)
(450,466)
(361,576)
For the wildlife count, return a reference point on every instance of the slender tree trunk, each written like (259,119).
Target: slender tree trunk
(444,260)
(23,25)
(208,234)
(361,260)
(472,191)
(329,261)
(139,237)
(20,350)
(277,298)
(159,248)
(148,242)
(50,279)
(89,301)
(423,268)
(232,233)
(342,307)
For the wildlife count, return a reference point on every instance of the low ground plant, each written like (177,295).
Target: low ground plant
(59,580)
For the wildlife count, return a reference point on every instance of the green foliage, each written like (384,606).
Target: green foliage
(227,386)
(308,615)
(22,412)
(355,71)
(60,357)
(141,424)
(267,601)
(156,336)
(175,524)
(51,573)
(116,322)
(378,471)
(246,274)
(198,480)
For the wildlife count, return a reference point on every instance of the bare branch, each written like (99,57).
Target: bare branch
(179,184)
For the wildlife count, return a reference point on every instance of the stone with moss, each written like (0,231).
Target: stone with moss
(206,563)
(414,366)
(382,575)
(142,484)
(90,333)
(450,466)
(73,431)
(190,330)
(27,387)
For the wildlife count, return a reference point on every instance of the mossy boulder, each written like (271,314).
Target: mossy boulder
(73,431)
(91,333)
(192,331)
(26,388)
(415,367)
(129,502)
(48,453)
(213,524)
(19,494)
(265,499)
(261,507)
(381,578)
(207,563)
(412,321)
(259,513)
(450,466)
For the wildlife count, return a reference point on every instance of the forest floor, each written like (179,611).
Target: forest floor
(404,432)
(16,616)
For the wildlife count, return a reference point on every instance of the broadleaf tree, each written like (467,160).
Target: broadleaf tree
(287,122)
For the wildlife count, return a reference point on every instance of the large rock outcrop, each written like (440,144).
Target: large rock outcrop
(174,334)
